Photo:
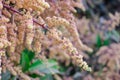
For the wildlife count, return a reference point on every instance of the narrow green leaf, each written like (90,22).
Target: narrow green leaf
(106,42)
(98,41)
(24,62)
(46,77)
(48,67)
(34,75)
(112,35)
(115,35)
(49,71)
(52,63)
(36,65)
(30,54)
(14,78)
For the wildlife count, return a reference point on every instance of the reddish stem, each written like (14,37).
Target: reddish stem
(34,20)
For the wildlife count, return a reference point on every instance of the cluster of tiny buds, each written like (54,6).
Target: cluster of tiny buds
(56,21)
(71,50)
(36,5)
(1,6)
(76,57)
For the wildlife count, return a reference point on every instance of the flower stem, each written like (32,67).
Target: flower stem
(34,20)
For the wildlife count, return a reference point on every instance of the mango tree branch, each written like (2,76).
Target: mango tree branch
(34,20)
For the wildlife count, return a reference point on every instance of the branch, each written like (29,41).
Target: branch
(34,20)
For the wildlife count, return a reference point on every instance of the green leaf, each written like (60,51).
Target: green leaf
(52,63)
(98,41)
(48,67)
(46,77)
(36,65)
(30,54)
(26,58)
(63,69)
(25,61)
(112,35)
(49,70)
(34,75)
(115,36)
(106,42)
(14,78)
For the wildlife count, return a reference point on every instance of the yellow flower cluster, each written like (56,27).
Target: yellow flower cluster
(37,5)
(3,20)
(21,74)
(15,70)
(1,5)
(106,52)
(37,41)
(75,55)
(29,32)
(3,39)
(58,21)
(71,50)
(12,37)
(28,35)
(16,36)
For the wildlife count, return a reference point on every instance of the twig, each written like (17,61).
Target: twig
(34,20)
